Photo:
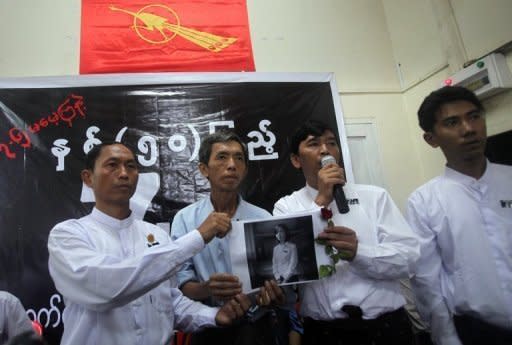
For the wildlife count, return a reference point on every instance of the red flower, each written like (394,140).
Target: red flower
(326,213)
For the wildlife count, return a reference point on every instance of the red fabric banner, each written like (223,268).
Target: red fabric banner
(164,36)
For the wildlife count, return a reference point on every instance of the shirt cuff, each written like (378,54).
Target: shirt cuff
(364,256)
(192,242)
(210,315)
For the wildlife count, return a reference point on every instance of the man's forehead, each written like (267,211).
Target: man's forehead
(116,151)
(227,146)
(455,108)
(327,134)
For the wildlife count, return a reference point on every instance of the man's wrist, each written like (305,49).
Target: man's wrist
(205,287)
(323,201)
(206,234)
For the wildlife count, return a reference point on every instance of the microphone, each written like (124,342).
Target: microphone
(337,189)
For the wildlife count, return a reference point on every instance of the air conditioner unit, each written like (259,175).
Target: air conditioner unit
(485,77)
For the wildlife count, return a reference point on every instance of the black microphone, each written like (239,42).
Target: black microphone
(337,189)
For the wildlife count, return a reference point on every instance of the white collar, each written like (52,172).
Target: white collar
(111,221)
(466,179)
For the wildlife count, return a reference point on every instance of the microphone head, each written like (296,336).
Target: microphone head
(328,160)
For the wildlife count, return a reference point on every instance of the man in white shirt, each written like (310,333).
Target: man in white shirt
(463,281)
(117,273)
(13,317)
(360,303)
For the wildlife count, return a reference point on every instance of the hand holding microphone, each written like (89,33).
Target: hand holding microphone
(337,189)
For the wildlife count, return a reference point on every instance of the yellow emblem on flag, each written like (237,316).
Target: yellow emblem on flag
(144,20)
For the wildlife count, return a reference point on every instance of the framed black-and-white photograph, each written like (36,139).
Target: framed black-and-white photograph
(280,248)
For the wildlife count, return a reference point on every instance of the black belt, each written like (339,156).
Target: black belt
(354,321)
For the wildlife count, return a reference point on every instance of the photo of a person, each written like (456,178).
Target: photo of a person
(269,249)
(284,258)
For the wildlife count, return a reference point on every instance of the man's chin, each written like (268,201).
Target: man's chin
(476,155)
(230,187)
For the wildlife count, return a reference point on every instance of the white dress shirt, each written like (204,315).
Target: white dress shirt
(13,317)
(284,260)
(118,281)
(465,229)
(387,249)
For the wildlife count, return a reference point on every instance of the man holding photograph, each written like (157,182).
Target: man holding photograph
(117,273)
(361,302)
(208,275)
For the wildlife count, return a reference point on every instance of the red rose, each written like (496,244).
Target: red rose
(326,213)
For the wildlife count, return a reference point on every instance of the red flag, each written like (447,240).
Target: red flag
(160,36)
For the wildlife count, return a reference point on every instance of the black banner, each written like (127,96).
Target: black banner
(47,125)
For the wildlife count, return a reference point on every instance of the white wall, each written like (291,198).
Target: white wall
(483,25)
(348,37)
(362,41)
(39,37)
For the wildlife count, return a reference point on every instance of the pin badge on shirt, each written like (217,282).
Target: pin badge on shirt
(151,240)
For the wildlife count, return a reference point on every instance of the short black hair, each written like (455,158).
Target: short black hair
(92,156)
(223,136)
(432,103)
(310,127)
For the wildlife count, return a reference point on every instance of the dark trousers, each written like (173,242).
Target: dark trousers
(260,332)
(472,331)
(392,328)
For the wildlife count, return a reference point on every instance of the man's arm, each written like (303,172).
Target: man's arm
(16,318)
(187,273)
(221,286)
(397,247)
(427,280)
(101,281)
(192,316)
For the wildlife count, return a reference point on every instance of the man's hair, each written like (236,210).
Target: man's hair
(310,127)
(92,156)
(432,103)
(222,136)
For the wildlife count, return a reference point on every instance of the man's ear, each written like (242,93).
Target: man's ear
(430,138)
(86,175)
(295,160)
(203,169)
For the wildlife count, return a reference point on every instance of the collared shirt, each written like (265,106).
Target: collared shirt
(387,248)
(13,317)
(118,281)
(284,260)
(214,258)
(465,229)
